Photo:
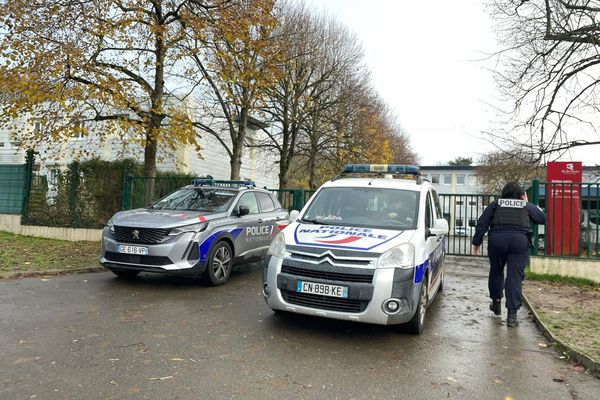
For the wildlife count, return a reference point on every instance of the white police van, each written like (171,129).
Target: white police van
(367,247)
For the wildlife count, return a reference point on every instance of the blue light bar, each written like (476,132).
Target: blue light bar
(381,169)
(214,182)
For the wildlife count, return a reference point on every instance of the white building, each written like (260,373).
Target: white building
(257,164)
(459,195)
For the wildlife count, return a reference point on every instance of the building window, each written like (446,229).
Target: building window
(435,179)
(1,144)
(472,203)
(459,222)
(472,180)
(459,203)
(447,179)
(472,222)
(460,179)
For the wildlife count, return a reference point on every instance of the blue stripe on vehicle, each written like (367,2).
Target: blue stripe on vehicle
(420,271)
(205,246)
(236,232)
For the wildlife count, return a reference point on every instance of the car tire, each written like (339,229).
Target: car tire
(442,280)
(218,264)
(125,273)
(416,324)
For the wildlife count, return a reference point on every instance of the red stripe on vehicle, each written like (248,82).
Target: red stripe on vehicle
(349,239)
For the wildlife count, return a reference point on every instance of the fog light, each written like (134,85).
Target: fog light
(266,289)
(392,306)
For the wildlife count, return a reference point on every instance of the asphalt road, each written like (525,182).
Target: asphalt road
(94,336)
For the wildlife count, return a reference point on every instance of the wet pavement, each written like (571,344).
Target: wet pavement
(94,336)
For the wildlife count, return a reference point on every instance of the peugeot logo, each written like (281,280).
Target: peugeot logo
(135,234)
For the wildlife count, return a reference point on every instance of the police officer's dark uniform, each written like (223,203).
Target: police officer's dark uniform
(509,223)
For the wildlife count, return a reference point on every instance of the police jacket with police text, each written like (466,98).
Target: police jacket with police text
(512,215)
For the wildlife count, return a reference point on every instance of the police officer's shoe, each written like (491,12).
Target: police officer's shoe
(511,320)
(496,306)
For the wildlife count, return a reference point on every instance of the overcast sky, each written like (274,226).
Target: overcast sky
(426,62)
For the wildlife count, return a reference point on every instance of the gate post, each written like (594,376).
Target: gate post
(535,199)
(298,197)
(127,191)
(29,159)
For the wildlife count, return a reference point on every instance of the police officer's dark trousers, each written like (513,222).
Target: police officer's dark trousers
(510,248)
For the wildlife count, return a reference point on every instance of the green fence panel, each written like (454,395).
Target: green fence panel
(462,211)
(12,185)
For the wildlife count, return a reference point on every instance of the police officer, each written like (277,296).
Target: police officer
(509,223)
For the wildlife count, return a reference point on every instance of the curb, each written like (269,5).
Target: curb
(50,272)
(592,365)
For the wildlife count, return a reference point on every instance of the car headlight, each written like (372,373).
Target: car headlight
(277,247)
(402,256)
(189,228)
(110,225)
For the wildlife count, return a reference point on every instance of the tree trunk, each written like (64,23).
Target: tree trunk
(238,145)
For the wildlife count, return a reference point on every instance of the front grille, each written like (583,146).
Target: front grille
(140,235)
(325,302)
(137,259)
(333,261)
(328,275)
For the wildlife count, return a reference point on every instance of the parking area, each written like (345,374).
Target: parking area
(95,336)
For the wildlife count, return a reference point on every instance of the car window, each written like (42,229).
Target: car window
(249,200)
(278,205)
(436,204)
(364,207)
(196,199)
(428,211)
(266,204)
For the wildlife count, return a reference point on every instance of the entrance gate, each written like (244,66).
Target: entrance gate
(462,211)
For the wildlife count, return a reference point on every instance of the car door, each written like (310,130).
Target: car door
(270,215)
(435,244)
(250,242)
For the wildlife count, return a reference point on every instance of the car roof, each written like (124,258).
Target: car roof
(231,188)
(383,183)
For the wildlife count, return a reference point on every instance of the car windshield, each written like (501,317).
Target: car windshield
(197,199)
(364,207)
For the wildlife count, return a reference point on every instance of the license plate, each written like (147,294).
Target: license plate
(322,289)
(126,249)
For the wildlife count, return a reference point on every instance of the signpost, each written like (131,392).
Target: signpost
(562,208)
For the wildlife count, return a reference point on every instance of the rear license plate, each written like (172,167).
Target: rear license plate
(126,249)
(322,289)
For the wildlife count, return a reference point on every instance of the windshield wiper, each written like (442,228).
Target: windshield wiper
(314,221)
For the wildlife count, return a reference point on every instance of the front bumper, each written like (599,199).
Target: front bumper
(365,298)
(178,255)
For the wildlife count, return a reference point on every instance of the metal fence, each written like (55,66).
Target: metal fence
(462,211)
(12,188)
(573,219)
(572,228)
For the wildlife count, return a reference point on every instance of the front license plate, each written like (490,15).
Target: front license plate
(322,289)
(126,249)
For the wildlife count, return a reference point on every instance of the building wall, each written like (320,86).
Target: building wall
(212,159)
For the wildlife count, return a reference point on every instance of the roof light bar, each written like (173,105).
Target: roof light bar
(214,182)
(381,168)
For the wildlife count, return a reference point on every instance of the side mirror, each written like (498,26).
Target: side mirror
(440,227)
(242,210)
(293,215)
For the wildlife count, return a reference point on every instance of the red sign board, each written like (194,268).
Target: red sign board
(562,207)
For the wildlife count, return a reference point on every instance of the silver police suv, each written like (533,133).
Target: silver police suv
(201,230)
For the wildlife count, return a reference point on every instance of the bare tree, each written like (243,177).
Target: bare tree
(241,60)
(497,168)
(550,69)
